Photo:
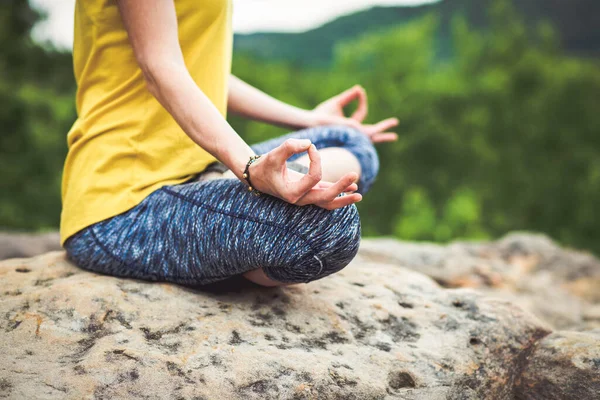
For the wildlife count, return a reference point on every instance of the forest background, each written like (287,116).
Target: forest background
(499,108)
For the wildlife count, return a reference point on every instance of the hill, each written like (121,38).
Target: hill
(575,20)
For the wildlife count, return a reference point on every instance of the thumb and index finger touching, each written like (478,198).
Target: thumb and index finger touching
(314,174)
(349,95)
(376,132)
(303,188)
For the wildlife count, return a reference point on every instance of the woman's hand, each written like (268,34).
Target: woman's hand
(331,112)
(269,174)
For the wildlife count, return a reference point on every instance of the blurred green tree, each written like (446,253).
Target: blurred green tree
(504,136)
(37,109)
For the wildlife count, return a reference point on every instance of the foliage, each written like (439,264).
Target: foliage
(577,20)
(418,218)
(503,136)
(37,109)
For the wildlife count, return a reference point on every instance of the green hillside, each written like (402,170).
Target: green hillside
(577,21)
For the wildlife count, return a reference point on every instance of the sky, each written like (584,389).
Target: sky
(248,15)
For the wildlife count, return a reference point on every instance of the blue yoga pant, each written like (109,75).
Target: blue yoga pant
(197,233)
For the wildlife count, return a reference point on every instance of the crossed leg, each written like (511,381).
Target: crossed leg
(342,150)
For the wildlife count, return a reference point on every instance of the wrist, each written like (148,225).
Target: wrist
(309,118)
(236,160)
(300,119)
(247,175)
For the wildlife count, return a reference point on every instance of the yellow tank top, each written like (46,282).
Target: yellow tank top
(124,144)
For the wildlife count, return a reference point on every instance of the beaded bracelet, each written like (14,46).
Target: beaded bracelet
(246,175)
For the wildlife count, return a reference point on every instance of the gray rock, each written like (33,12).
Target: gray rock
(558,285)
(13,245)
(372,331)
(564,365)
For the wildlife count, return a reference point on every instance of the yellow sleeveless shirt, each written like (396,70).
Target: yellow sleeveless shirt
(124,144)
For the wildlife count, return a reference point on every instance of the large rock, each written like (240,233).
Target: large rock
(13,245)
(560,286)
(372,331)
(564,365)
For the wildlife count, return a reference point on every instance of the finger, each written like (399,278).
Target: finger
(363,106)
(317,196)
(352,188)
(382,126)
(351,123)
(324,185)
(336,202)
(348,95)
(342,201)
(311,178)
(296,176)
(384,137)
(289,148)
(341,185)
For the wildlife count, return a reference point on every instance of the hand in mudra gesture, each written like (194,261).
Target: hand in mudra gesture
(270,175)
(331,112)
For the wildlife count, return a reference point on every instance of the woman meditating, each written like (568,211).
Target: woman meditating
(140,198)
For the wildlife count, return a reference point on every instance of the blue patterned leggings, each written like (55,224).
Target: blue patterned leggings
(201,232)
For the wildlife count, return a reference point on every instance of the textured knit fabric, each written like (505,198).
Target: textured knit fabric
(124,144)
(201,232)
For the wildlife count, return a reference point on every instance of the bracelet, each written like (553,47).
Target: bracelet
(246,175)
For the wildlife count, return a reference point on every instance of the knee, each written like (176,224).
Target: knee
(363,149)
(340,242)
(330,247)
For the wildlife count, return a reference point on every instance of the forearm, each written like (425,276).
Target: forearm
(249,102)
(175,89)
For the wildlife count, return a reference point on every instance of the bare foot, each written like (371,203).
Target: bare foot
(258,276)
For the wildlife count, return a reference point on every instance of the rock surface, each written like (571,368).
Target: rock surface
(13,245)
(376,330)
(564,365)
(373,331)
(560,286)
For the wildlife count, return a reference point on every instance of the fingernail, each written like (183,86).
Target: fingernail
(305,142)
